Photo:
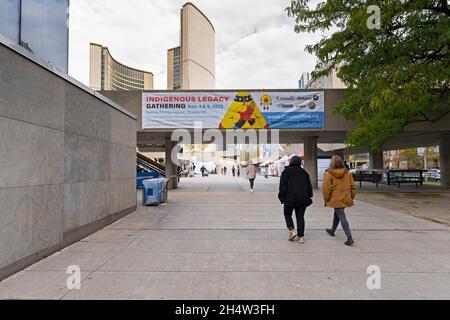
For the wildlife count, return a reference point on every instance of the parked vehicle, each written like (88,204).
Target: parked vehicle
(433,174)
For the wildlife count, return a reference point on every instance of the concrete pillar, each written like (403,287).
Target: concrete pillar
(444,160)
(310,159)
(376,159)
(171,167)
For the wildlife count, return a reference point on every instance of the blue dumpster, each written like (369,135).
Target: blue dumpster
(141,176)
(152,191)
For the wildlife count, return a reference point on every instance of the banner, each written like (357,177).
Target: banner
(233,110)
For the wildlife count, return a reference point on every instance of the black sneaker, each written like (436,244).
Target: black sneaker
(330,232)
(348,242)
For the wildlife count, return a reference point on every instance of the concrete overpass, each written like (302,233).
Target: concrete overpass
(334,131)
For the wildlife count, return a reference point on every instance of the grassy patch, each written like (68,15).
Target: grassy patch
(389,194)
(434,183)
(422,195)
(433,220)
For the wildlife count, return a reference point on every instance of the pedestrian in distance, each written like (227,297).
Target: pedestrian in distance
(346,165)
(225,171)
(338,192)
(179,170)
(233,171)
(295,193)
(251,174)
(204,171)
(238,171)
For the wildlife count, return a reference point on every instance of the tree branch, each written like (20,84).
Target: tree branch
(432,120)
(441,9)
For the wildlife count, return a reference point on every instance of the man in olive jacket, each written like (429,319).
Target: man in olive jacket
(295,193)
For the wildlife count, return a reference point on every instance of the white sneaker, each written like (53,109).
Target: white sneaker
(301,240)
(251,190)
(292,235)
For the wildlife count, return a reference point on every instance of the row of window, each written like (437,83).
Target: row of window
(119,77)
(126,78)
(177,69)
(117,80)
(134,74)
(118,86)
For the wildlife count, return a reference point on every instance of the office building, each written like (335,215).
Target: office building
(195,57)
(331,81)
(304,79)
(41,27)
(174,68)
(106,73)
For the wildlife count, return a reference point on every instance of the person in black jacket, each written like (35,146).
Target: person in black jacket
(295,193)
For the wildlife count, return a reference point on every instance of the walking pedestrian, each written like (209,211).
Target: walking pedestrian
(346,165)
(225,171)
(338,192)
(238,171)
(251,174)
(233,171)
(295,193)
(204,171)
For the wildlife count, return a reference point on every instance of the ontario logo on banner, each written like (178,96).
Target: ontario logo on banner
(233,110)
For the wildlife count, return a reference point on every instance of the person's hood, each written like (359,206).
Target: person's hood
(338,173)
(295,161)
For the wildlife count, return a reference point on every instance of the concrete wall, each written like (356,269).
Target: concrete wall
(131,100)
(67,161)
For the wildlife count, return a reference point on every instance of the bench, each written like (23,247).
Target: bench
(405,176)
(367,176)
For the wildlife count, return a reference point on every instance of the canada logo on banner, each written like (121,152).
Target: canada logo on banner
(266,101)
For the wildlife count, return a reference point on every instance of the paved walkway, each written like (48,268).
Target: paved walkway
(216,240)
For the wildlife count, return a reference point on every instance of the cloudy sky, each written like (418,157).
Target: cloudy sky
(256,46)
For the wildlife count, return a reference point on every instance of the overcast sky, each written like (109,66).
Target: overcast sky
(256,46)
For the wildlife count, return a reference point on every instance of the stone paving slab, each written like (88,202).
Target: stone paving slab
(280,246)
(42,285)
(216,240)
(115,235)
(260,285)
(276,262)
(313,234)
(86,260)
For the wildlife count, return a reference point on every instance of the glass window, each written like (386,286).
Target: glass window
(10,19)
(44,30)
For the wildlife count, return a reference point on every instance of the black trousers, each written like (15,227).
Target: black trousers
(300,217)
(252,182)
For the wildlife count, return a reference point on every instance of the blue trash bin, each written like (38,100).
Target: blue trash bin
(151,192)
